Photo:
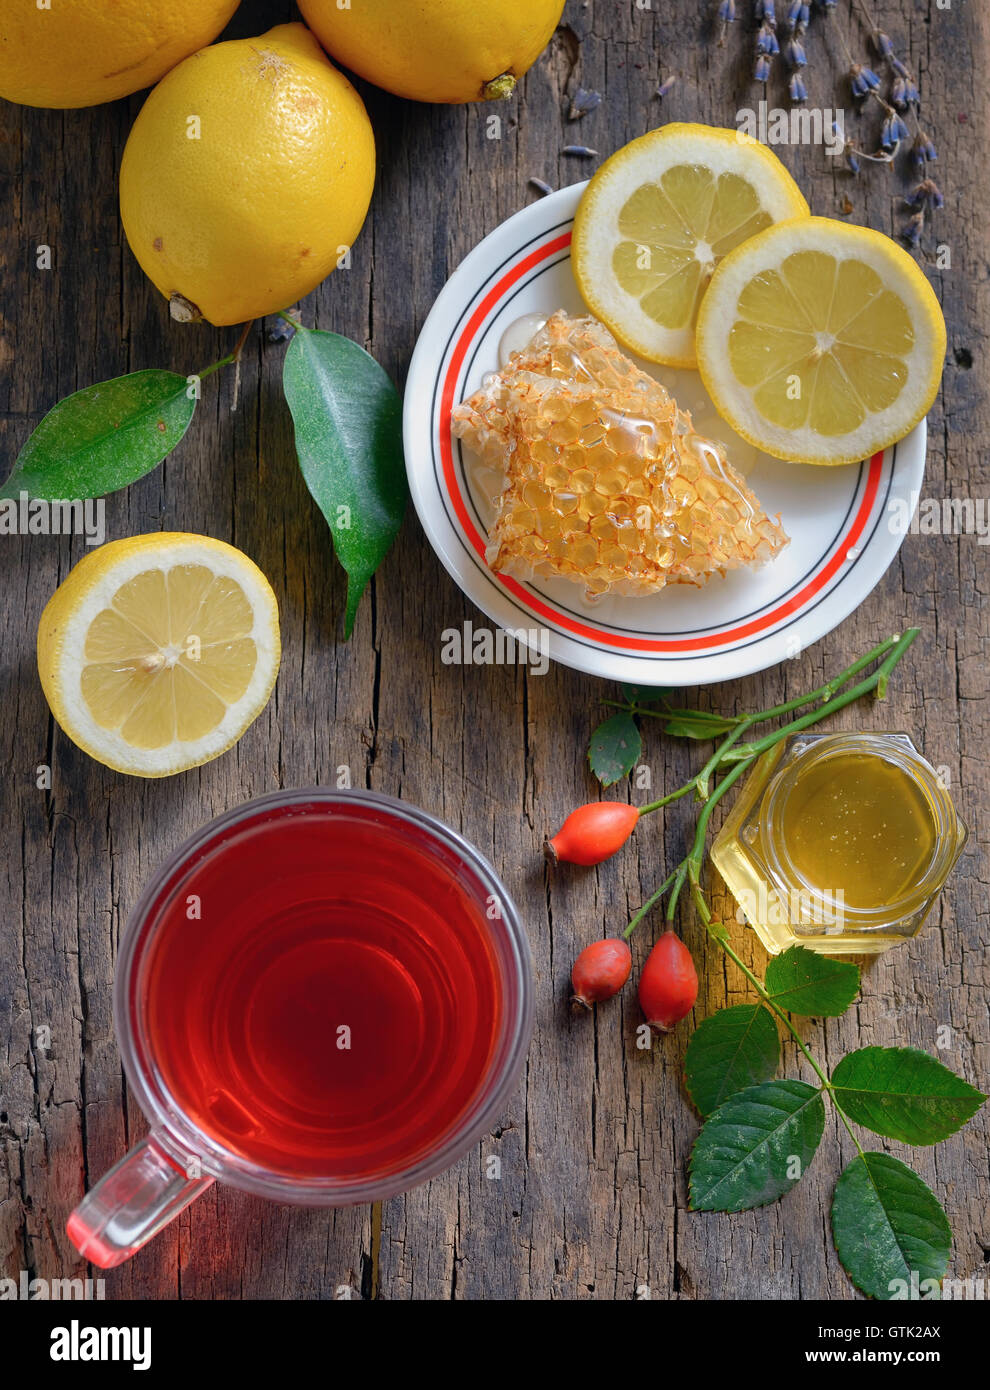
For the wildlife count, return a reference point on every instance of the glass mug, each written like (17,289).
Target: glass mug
(323,997)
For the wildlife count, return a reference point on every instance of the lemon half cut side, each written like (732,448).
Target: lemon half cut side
(821,342)
(158,651)
(656,220)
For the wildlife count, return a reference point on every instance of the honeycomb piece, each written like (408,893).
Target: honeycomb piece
(605,481)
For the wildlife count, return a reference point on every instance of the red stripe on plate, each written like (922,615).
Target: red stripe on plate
(535,604)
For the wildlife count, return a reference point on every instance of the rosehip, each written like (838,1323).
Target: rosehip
(668,986)
(592,833)
(601,970)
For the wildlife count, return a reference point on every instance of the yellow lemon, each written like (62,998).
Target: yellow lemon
(158,651)
(436,50)
(821,342)
(83,52)
(657,218)
(247,176)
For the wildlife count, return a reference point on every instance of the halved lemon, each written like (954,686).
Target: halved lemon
(821,342)
(158,651)
(657,218)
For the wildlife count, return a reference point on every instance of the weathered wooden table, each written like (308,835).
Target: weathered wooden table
(592,1199)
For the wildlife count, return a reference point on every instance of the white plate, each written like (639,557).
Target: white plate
(846,524)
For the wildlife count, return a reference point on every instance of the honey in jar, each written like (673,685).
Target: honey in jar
(839,842)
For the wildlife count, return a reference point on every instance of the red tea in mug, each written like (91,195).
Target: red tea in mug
(321,996)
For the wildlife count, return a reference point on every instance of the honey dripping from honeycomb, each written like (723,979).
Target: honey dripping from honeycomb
(605,481)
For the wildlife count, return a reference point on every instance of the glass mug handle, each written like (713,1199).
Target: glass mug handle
(133,1201)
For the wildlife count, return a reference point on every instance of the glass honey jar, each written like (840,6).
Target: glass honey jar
(839,842)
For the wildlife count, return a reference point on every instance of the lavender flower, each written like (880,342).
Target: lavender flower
(726,16)
(894,131)
(923,151)
(766,41)
(795,54)
(761,72)
(884,46)
(913,229)
(798,91)
(863,79)
(665,86)
(582,102)
(926,195)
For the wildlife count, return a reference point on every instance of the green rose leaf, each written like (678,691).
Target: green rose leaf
(697,724)
(756,1146)
(733,1049)
(614,748)
(644,694)
(802,982)
(904,1094)
(104,437)
(889,1230)
(348,419)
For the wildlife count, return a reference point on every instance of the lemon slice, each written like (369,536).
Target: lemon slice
(657,218)
(821,342)
(158,651)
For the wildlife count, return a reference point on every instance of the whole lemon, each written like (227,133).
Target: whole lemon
(247,176)
(82,52)
(436,50)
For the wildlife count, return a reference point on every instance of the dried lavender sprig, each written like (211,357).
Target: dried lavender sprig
(541,186)
(726,16)
(766,40)
(580,151)
(582,102)
(926,195)
(862,79)
(923,150)
(666,85)
(894,130)
(913,229)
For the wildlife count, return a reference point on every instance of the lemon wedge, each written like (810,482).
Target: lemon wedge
(656,220)
(821,342)
(158,651)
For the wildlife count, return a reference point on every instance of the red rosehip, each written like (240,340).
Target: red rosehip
(601,970)
(668,986)
(592,833)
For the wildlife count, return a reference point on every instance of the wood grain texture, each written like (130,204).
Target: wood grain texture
(592,1198)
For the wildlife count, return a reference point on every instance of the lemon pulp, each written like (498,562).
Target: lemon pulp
(821,342)
(169,655)
(674,233)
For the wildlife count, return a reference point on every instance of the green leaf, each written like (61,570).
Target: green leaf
(644,694)
(733,1049)
(802,982)
(887,1227)
(104,437)
(756,1146)
(348,419)
(691,724)
(614,748)
(904,1094)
